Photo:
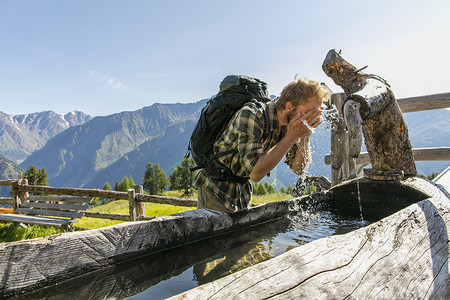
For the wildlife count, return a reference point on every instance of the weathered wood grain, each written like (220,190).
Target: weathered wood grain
(46,212)
(404,256)
(37,220)
(396,256)
(6,200)
(99,215)
(420,154)
(48,190)
(54,206)
(7,182)
(427,102)
(69,199)
(385,132)
(40,262)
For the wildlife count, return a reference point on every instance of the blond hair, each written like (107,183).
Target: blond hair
(299,91)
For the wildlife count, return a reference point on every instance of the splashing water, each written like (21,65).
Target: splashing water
(331,117)
(312,129)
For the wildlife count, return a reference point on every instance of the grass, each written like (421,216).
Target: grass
(10,232)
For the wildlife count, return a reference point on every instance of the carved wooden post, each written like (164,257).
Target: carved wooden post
(139,189)
(385,132)
(339,144)
(132,204)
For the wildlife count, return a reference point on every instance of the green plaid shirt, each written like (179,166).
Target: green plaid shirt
(244,134)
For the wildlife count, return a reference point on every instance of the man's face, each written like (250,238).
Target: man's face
(314,102)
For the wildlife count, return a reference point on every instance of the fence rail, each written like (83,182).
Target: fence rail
(420,154)
(6,200)
(421,103)
(135,197)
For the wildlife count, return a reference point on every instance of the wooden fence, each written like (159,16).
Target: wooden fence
(135,197)
(342,165)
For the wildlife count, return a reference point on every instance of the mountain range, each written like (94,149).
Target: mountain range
(21,135)
(90,151)
(80,155)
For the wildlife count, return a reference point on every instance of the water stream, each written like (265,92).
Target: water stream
(358,190)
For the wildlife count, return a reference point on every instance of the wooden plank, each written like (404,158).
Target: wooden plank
(54,206)
(432,154)
(36,220)
(106,194)
(7,182)
(421,103)
(341,164)
(71,199)
(48,190)
(420,154)
(45,212)
(166,200)
(6,200)
(99,215)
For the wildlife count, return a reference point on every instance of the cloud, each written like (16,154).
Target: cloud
(115,85)
(111,82)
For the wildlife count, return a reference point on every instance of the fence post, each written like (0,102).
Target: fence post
(15,194)
(23,195)
(340,164)
(141,205)
(132,204)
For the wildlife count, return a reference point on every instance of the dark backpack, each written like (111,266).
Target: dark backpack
(235,91)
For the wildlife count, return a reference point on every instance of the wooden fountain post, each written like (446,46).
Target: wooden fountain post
(384,128)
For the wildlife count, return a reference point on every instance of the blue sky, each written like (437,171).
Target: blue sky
(104,57)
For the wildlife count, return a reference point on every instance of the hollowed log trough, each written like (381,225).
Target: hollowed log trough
(403,255)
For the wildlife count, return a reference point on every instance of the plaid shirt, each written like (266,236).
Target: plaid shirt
(244,134)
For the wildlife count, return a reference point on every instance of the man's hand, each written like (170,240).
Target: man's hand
(297,129)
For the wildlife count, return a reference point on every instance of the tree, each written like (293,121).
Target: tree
(131,182)
(106,186)
(259,189)
(125,184)
(269,188)
(290,189)
(182,177)
(283,190)
(35,176)
(155,180)
(174,180)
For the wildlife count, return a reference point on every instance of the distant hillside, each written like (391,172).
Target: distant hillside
(167,150)
(429,129)
(76,156)
(21,135)
(8,170)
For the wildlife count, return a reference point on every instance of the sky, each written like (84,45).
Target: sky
(106,56)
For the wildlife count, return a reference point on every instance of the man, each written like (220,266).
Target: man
(258,152)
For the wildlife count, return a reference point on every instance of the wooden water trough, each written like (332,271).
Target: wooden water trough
(402,255)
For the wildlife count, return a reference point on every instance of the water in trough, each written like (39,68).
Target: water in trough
(168,273)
